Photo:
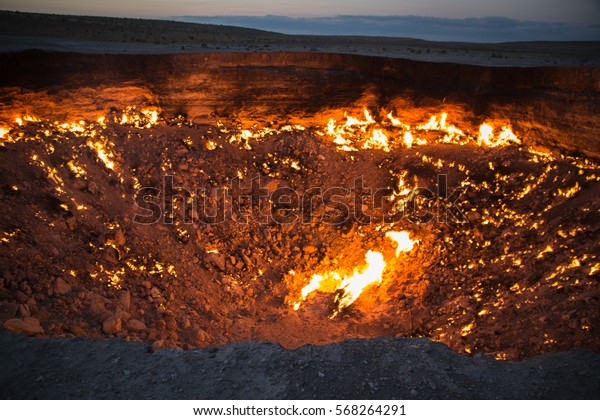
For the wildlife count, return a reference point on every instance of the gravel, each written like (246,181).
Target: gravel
(381,368)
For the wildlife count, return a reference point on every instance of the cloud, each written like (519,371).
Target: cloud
(487,29)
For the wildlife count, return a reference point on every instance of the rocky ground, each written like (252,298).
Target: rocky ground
(381,368)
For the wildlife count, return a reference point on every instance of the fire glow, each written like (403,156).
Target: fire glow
(392,132)
(363,276)
(348,288)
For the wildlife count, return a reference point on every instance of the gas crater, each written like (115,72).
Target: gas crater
(200,199)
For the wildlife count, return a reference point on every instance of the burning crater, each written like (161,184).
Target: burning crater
(193,200)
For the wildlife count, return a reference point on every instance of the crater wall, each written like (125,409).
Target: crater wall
(553,107)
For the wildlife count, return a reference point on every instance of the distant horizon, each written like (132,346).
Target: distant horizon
(571,12)
(487,29)
(484,29)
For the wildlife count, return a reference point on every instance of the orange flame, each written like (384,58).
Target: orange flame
(504,138)
(354,286)
(403,241)
(367,133)
(351,287)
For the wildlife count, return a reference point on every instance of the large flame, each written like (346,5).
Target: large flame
(351,134)
(354,286)
(350,287)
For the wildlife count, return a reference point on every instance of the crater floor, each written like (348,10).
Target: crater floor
(504,260)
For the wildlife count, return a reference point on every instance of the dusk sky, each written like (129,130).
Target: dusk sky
(439,20)
(569,11)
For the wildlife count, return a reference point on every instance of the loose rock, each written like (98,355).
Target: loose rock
(112,325)
(135,325)
(119,237)
(61,287)
(28,326)
(217,260)
(157,345)
(97,305)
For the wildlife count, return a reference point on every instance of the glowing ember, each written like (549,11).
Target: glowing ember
(570,192)
(403,241)
(104,154)
(466,330)
(7,235)
(408,139)
(211,145)
(547,250)
(76,170)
